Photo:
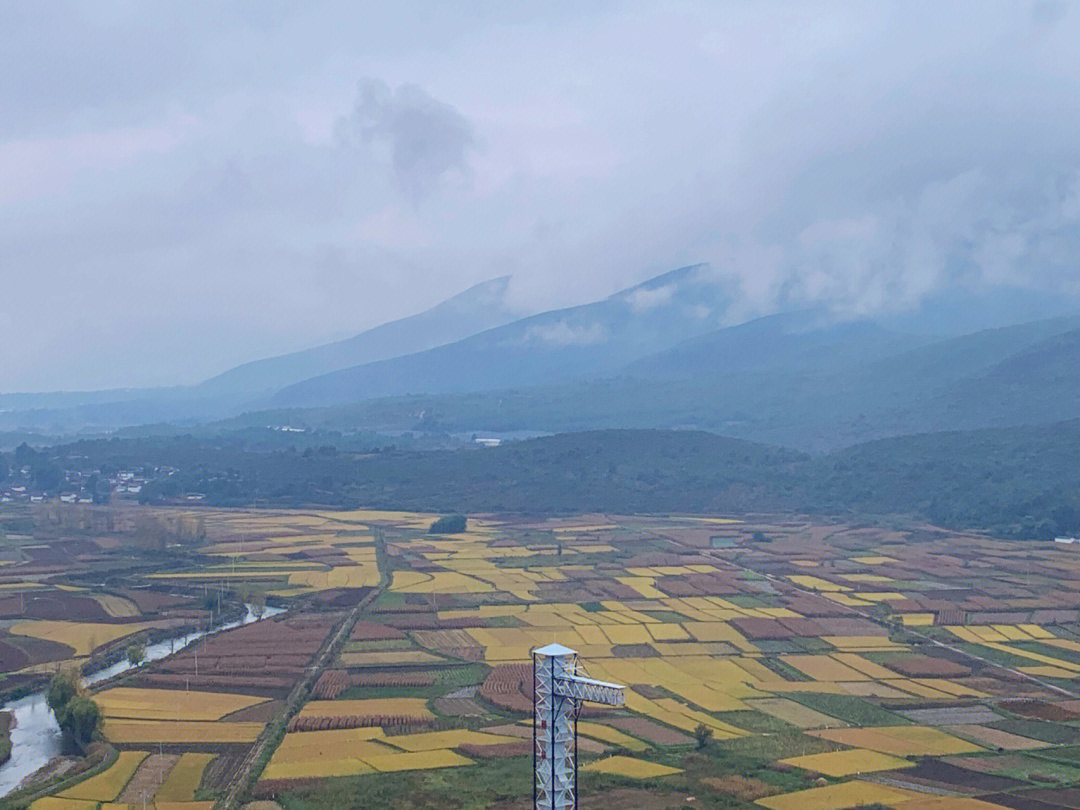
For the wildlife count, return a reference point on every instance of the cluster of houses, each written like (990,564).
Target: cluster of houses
(77,487)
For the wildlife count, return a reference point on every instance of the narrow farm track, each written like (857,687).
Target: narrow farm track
(246,773)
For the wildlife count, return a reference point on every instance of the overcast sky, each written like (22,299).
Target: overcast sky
(187,186)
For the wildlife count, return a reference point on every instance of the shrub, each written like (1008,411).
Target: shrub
(448,524)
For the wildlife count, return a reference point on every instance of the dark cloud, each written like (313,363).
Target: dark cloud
(426,138)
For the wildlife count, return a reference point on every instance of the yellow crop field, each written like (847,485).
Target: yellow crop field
(322,768)
(839,797)
(419,761)
(667,632)
(348,746)
(917,619)
(823,668)
(1048,671)
(874,560)
(440,582)
(373,707)
(869,668)
(598,731)
(795,713)
(630,768)
(1034,656)
(643,585)
(142,732)
(627,634)
(846,763)
(817,583)
(899,740)
(718,631)
(346,576)
(83,637)
(340,752)
(184,778)
(433,740)
(56,803)
(171,704)
(847,600)
(1035,631)
(107,785)
(880,596)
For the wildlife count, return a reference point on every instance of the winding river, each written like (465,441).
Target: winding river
(35,737)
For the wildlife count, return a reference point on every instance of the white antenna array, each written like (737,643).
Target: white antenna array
(559,689)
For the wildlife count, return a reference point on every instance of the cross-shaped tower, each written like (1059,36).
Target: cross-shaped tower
(559,688)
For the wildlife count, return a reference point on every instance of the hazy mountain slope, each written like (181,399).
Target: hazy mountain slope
(784,343)
(552,347)
(818,389)
(476,309)
(1040,384)
(955,311)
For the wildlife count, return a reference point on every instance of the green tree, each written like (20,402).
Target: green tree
(136,653)
(83,718)
(62,688)
(702,733)
(78,716)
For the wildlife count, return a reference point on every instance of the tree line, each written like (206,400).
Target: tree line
(1019,482)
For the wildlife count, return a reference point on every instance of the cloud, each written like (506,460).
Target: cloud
(645,298)
(177,202)
(980,228)
(426,139)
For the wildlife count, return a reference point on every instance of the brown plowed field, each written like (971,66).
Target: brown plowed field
(648,730)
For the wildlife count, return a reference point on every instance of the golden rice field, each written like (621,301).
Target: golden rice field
(837,797)
(169,732)
(631,768)
(847,762)
(171,704)
(598,731)
(56,803)
(356,751)
(107,785)
(184,779)
(900,740)
(83,637)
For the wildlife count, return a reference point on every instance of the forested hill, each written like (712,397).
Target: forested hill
(1021,482)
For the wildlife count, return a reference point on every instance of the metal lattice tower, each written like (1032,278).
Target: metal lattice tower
(559,688)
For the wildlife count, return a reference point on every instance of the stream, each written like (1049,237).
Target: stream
(35,737)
